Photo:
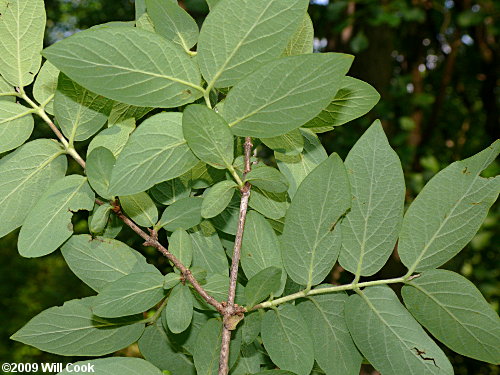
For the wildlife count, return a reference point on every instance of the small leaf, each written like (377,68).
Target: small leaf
(171,280)
(101,261)
(311,237)
(72,330)
(79,112)
(156,152)
(292,90)
(269,204)
(113,366)
(370,229)
(203,176)
(250,329)
(252,32)
(133,66)
(120,112)
(114,138)
(100,164)
(173,23)
(22,26)
(454,202)
(48,224)
(171,191)
(208,135)
(217,286)
(46,85)
(179,310)
(378,316)
(140,208)
(302,41)
(452,309)
(99,219)
(16,125)
(217,198)
(181,246)
(289,144)
(260,286)
(268,179)
(354,99)
(287,340)
(130,294)
(208,253)
(187,339)
(183,214)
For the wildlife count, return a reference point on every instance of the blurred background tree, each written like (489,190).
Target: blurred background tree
(436,66)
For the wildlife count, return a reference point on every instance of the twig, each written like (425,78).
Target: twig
(233,313)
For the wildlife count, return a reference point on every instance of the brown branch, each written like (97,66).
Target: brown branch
(234,313)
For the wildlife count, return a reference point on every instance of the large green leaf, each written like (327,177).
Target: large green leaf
(263,284)
(302,41)
(100,164)
(378,317)
(285,94)
(291,143)
(181,245)
(113,366)
(132,66)
(183,214)
(79,112)
(73,330)
(297,167)
(140,208)
(48,224)
(121,112)
(16,125)
(454,204)
(101,261)
(46,85)
(26,175)
(250,360)
(171,191)
(238,37)
(113,138)
(7,91)
(268,179)
(22,26)
(354,99)
(451,308)
(208,253)
(130,294)
(270,205)
(227,220)
(157,349)
(203,175)
(217,286)
(207,351)
(217,198)
(287,340)
(155,152)
(208,135)
(311,239)
(371,228)
(179,311)
(334,349)
(173,23)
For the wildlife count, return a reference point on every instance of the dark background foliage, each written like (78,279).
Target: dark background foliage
(436,65)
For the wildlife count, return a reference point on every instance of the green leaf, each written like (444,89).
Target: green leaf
(289,144)
(297,167)
(217,198)
(455,202)
(72,330)
(7,91)
(156,348)
(270,205)
(370,229)
(121,112)
(302,41)
(208,135)
(140,208)
(101,261)
(250,329)
(48,224)
(181,245)
(212,3)
(250,360)
(217,286)
(173,23)
(183,214)
(203,176)
(208,253)
(113,366)
(16,125)
(260,286)
(311,238)
(113,138)
(26,175)
(145,22)
(22,27)
(227,221)
(155,152)
(129,295)
(291,91)
(260,248)
(452,309)
(187,340)
(113,227)
(133,66)
(79,112)
(334,349)
(171,280)
(268,179)
(46,85)
(354,99)
(171,191)
(207,350)
(252,33)
(100,164)
(99,219)
(377,316)
(287,340)
(275,372)
(179,311)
